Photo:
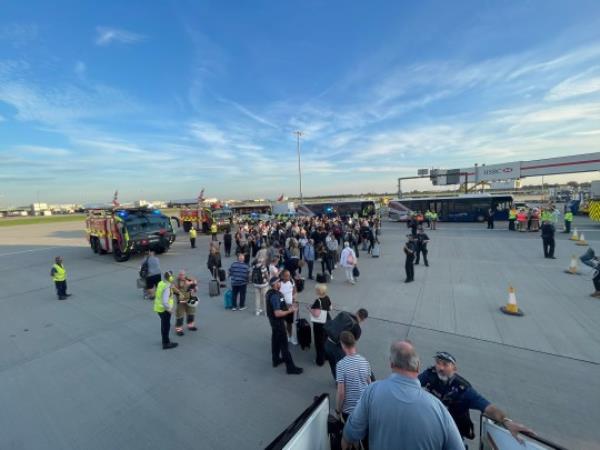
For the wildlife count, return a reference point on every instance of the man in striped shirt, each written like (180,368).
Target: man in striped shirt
(239,274)
(353,375)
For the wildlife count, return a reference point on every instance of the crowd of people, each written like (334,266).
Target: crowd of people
(273,257)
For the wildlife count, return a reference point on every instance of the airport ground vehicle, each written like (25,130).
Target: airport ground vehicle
(465,208)
(593,205)
(247,210)
(202,218)
(362,208)
(125,231)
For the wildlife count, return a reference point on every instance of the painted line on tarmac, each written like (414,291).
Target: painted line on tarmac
(27,251)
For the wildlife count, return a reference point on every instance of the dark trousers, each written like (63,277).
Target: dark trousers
(214,236)
(333,353)
(597,281)
(61,288)
(227,248)
(511,224)
(279,346)
(325,264)
(409,267)
(331,257)
(567,226)
(424,251)
(490,224)
(165,326)
(310,265)
(548,247)
(320,338)
(235,290)
(193,242)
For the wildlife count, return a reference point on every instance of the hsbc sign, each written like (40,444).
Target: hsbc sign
(499,172)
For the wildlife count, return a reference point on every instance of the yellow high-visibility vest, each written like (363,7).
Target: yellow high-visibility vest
(158,305)
(193,233)
(60,273)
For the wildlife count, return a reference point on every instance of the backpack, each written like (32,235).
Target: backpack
(257,276)
(144,269)
(342,322)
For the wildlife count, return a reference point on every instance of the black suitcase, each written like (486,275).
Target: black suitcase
(304,333)
(323,278)
(299,284)
(222,275)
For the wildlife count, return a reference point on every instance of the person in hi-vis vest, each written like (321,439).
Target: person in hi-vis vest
(163,306)
(193,235)
(59,276)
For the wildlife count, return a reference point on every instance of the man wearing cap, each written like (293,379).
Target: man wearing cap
(277,311)
(59,276)
(459,397)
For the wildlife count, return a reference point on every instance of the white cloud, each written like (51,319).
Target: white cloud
(575,86)
(107,36)
(208,133)
(42,151)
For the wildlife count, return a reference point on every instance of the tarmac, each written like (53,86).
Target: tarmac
(90,373)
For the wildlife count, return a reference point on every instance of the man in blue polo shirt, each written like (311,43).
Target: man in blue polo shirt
(398,414)
(459,397)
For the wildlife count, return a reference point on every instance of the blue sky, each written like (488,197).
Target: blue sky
(159,99)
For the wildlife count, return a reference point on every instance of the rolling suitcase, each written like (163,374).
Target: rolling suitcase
(304,333)
(228,299)
(375,251)
(323,278)
(299,284)
(213,288)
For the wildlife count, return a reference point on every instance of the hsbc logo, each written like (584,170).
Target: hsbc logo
(497,171)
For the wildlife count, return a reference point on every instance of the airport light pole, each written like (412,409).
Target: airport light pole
(298,134)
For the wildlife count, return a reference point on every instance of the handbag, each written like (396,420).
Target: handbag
(322,318)
(355,272)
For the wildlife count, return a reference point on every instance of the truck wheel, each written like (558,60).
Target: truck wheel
(118,254)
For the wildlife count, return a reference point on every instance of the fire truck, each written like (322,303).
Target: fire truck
(126,231)
(202,218)
(199,218)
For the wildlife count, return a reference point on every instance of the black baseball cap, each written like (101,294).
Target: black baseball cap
(445,356)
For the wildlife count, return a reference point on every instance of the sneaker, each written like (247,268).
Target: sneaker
(234,309)
(243,308)
(192,328)
(294,341)
(295,371)
(331,277)
(179,333)
(170,345)
(258,312)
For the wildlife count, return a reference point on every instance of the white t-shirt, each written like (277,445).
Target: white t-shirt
(287,289)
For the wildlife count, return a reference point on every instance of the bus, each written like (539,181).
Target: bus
(464,208)
(253,212)
(363,208)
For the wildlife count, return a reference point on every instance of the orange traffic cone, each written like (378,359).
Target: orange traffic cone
(581,240)
(575,235)
(511,308)
(572,266)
